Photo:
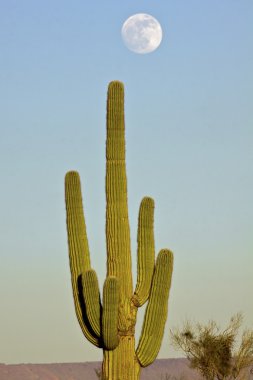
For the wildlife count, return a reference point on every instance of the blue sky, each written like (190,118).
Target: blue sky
(189,146)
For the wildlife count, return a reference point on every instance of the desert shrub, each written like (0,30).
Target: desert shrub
(215,353)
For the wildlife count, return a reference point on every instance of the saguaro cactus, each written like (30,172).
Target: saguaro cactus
(111,325)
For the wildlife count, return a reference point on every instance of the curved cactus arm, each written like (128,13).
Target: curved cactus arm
(110,313)
(92,300)
(145,251)
(79,257)
(157,308)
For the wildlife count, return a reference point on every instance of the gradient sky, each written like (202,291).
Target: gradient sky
(189,146)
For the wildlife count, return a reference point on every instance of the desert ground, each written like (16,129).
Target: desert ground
(178,369)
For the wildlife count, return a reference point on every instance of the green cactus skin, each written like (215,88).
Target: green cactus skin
(110,313)
(111,326)
(92,299)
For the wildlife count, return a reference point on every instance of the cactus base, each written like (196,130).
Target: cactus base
(121,363)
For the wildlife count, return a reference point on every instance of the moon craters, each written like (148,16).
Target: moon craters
(141,33)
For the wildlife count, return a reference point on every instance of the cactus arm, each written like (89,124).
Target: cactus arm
(77,237)
(110,313)
(92,299)
(79,257)
(145,251)
(117,224)
(157,308)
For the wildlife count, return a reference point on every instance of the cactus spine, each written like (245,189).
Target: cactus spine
(111,325)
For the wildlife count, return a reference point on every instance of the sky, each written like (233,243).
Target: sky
(189,138)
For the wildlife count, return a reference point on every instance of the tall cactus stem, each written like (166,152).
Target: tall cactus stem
(117,224)
(112,324)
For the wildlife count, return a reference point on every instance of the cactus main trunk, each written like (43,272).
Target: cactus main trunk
(110,324)
(117,224)
(121,363)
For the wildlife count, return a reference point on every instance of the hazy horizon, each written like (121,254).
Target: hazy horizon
(188,111)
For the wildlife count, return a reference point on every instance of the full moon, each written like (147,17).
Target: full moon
(141,33)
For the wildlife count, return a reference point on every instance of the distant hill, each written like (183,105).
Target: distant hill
(80,371)
(178,369)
